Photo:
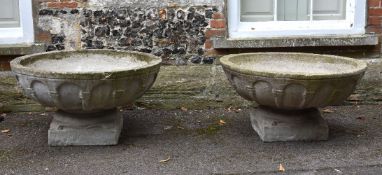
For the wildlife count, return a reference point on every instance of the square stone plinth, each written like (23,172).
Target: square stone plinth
(101,128)
(283,125)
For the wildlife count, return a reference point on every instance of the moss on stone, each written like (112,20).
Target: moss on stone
(12,98)
(4,155)
(210,129)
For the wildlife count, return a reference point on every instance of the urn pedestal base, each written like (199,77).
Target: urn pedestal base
(285,125)
(101,128)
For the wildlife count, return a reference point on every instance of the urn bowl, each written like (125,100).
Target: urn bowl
(86,81)
(293,81)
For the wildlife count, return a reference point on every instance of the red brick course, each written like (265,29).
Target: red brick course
(375,11)
(215,32)
(218,15)
(47,1)
(61,5)
(217,23)
(374,20)
(43,36)
(374,3)
(208,44)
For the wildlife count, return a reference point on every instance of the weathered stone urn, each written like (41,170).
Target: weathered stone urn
(289,87)
(86,86)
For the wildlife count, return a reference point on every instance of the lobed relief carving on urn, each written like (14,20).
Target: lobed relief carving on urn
(292,86)
(86,95)
(86,86)
(290,93)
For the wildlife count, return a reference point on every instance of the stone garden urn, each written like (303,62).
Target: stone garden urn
(289,87)
(86,87)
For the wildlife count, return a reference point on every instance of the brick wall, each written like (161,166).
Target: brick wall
(4,62)
(374,16)
(174,32)
(74,24)
(374,25)
(217,29)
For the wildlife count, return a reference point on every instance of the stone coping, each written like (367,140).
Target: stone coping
(19,65)
(233,62)
(345,40)
(22,49)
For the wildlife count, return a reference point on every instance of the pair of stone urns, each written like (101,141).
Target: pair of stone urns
(87,86)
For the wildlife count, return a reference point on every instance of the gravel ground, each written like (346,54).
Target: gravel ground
(214,141)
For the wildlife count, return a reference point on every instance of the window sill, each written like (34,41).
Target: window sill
(21,49)
(347,40)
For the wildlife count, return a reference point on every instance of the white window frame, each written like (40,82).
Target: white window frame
(353,24)
(23,34)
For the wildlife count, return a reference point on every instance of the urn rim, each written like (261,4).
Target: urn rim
(20,65)
(228,62)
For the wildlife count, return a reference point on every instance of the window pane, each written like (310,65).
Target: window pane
(329,9)
(293,10)
(256,10)
(9,14)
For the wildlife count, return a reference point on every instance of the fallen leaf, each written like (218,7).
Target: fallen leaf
(222,122)
(183,108)
(281,168)
(179,127)
(3,114)
(141,108)
(338,171)
(327,111)
(361,118)
(237,110)
(354,97)
(5,130)
(168,127)
(229,109)
(165,160)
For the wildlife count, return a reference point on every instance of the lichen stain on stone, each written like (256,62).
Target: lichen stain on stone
(63,24)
